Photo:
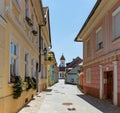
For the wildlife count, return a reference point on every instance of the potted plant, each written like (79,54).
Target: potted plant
(34,32)
(34,83)
(29,21)
(28,80)
(12,79)
(17,87)
(31,83)
(50,58)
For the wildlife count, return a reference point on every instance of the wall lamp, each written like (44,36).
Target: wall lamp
(44,51)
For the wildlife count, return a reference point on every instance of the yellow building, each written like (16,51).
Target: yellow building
(52,69)
(20,35)
(45,48)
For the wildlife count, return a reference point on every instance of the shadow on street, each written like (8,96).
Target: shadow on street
(105,106)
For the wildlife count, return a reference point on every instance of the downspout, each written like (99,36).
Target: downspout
(39,48)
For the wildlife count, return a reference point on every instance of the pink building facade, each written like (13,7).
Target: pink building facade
(101,51)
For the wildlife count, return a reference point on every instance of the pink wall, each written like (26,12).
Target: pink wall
(108,46)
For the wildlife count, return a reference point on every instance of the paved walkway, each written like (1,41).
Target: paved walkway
(62,98)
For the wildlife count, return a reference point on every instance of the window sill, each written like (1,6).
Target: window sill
(99,50)
(10,84)
(115,40)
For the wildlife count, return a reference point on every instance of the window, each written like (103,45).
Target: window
(26,72)
(14,59)
(88,75)
(88,48)
(32,68)
(116,23)
(32,18)
(18,3)
(99,38)
(42,43)
(45,72)
(42,72)
(27,9)
(37,40)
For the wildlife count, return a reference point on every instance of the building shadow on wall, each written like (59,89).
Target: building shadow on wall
(105,106)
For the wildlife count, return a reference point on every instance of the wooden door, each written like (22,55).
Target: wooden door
(110,85)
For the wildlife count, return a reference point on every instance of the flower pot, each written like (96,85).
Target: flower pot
(12,79)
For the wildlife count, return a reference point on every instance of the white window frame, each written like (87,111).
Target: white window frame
(42,71)
(32,67)
(99,44)
(28,7)
(26,62)
(115,13)
(88,75)
(19,3)
(15,57)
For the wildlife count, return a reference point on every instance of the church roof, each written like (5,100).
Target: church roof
(62,58)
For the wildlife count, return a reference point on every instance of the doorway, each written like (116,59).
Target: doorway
(108,84)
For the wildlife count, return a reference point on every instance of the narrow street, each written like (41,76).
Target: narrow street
(64,98)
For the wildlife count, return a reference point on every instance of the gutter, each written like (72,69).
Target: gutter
(49,30)
(43,22)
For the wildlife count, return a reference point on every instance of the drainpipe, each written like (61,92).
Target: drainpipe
(39,48)
(39,62)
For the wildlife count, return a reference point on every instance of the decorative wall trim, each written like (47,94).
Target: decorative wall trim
(103,57)
(3,22)
(116,11)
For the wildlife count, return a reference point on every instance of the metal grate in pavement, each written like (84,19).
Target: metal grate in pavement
(67,103)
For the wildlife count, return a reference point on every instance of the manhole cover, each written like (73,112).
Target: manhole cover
(62,93)
(67,103)
(71,109)
(57,92)
(48,94)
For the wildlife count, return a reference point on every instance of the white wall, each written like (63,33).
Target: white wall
(72,78)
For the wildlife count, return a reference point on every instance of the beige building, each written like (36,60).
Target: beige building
(45,48)
(21,29)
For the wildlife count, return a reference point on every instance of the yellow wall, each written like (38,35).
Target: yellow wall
(17,30)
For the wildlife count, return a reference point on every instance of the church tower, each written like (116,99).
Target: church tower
(62,67)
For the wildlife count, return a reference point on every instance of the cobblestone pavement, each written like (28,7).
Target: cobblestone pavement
(63,98)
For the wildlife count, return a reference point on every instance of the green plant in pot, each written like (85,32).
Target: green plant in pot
(34,83)
(31,83)
(27,79)
(17,87)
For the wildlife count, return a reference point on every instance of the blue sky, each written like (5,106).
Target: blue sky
(66,20)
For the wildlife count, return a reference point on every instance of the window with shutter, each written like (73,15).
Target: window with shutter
(116,23)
